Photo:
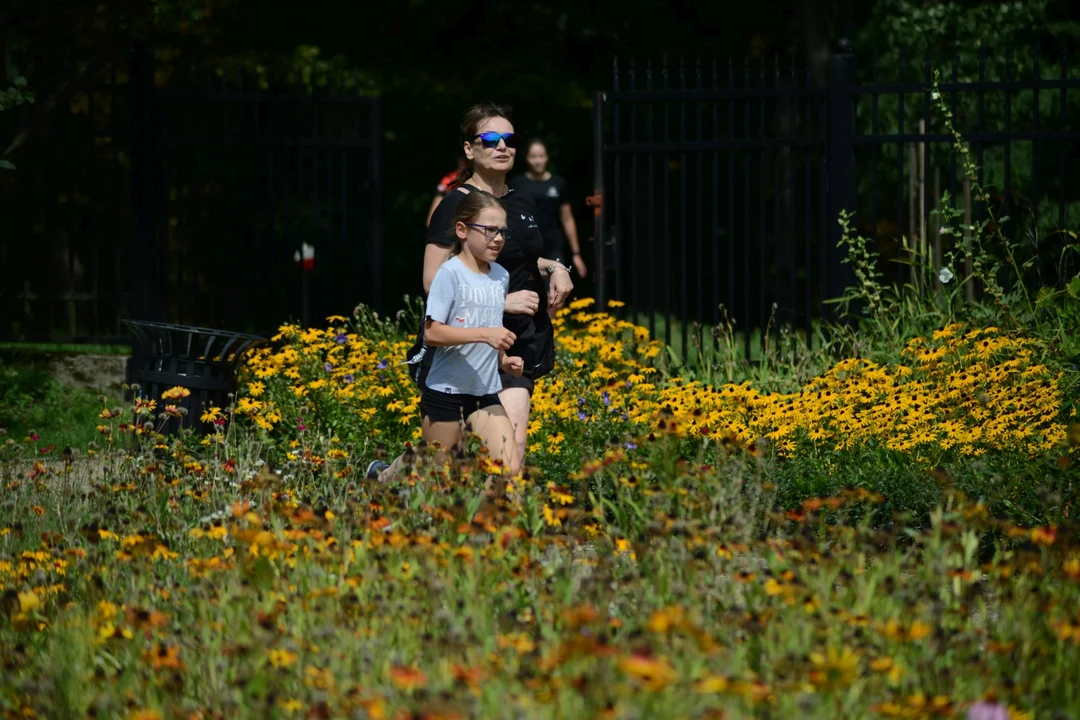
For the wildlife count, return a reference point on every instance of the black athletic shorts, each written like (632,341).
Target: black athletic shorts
(525,381)
(446,407)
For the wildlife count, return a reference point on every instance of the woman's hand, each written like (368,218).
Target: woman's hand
(561,287)
(522,302)
(579,265)
(499,338)
(513,366)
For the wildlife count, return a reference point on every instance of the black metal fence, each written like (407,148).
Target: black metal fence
(182,195)
(720,182)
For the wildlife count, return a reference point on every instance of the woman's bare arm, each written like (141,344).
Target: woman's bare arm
(434,257)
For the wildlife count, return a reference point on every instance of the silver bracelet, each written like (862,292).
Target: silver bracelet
(557,264)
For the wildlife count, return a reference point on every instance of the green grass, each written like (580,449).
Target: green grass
(32,399)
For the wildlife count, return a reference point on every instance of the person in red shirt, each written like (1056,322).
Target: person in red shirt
(445,185)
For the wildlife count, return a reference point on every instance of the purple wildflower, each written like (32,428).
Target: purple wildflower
(580,401)
(348,378)
(631,446)
(606,397)
(383,364)
(328,367)
(581,415)
(987,711)
(341,339)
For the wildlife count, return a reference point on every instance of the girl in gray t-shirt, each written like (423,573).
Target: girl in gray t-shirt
(464,328)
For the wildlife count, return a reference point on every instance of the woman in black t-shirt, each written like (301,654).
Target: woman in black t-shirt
(490,146)
(552,197)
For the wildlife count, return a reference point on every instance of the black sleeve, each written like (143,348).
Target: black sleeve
(514,183)
(442,220)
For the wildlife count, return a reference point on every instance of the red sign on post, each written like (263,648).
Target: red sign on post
(305,256)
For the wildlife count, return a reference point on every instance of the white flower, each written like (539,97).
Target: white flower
(945,276)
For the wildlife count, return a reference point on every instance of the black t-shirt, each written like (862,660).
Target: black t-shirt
(522,249)
(549,196)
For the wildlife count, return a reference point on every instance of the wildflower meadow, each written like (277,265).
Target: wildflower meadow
(880,526)
(876,539)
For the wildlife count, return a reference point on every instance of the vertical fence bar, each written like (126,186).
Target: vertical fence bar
(143,302)
(256,190)
(763,172)
(212,228)
(665,236)
(793,190)
(651,184)
(952,145)
(598,192)
(809,156)
(271,249)
(745,309)
(117,272)
(729,238)
(343,199)
(682,209)
(1035,163)
(875,150)
(635,244)
(1062,149)
(376,204)
(1008,129)
(325,289)
(926,241)
(841,160)
(616,221)
(981,112)
(779,256)
(698,201)
(345,286)
(902,270)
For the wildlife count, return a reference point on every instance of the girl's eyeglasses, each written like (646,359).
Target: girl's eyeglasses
(491,139)
(490,231)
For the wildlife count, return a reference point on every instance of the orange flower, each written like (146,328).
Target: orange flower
(407,678)
(1044,536)
(164,657)
(666,619)
(175,393)
(581,615)
(470,676)
(654,673)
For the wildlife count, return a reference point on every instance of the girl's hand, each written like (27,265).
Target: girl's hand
(522,302)
(513,365)
(579,265)
(561,287)
(499,338)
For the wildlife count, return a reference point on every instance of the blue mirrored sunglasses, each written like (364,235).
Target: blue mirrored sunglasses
(491,139)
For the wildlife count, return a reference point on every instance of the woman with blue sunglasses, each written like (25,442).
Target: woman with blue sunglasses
(490,146)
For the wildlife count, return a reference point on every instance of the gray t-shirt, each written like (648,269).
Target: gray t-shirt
(462,298)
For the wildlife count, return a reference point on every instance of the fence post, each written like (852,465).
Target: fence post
(376,204)
(840,165)
(596,201)
(144,279)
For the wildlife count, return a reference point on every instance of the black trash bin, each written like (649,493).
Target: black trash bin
(200,359)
